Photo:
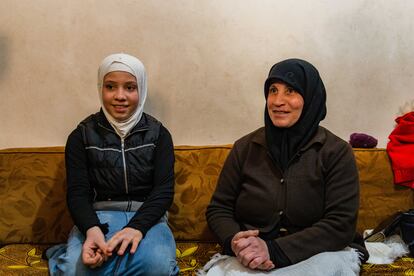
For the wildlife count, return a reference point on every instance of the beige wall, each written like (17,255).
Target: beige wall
(206,62)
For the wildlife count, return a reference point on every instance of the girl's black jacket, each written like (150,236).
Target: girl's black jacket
(100,166)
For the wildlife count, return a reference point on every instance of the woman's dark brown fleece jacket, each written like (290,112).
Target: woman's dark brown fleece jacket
(316,198)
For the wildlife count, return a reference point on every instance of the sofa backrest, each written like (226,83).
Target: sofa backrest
(33,201)
(196,173)
(33,193)
(379,196)
(33,196)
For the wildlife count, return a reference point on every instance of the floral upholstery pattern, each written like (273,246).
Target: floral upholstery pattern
(33,213)
(196,173)
(23,259)
(32,196)
(26,259)
(403,266)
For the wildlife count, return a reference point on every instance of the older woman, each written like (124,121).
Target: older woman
(120,179)
(288,195)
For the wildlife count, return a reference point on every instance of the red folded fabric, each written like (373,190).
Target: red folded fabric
(400,149)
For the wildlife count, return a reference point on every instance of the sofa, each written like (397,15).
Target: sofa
(33,213)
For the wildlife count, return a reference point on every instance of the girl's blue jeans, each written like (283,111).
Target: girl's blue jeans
(155,254)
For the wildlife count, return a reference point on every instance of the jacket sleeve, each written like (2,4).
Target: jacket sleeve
(79,192)
(336,228)
(162,194)
(221,210)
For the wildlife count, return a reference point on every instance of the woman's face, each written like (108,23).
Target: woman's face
(284,105)
(120,94)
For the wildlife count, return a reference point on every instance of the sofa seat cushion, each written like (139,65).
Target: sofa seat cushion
(192,256)
(26,259)
(402,266)
(23,259)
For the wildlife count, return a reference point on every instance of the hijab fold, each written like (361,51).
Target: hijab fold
(132,65)
(284,143)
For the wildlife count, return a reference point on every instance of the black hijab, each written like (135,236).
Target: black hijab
(284,143)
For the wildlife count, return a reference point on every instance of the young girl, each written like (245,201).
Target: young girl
(120,177)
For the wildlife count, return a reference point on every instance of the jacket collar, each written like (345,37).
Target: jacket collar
(103,122)
(259,137)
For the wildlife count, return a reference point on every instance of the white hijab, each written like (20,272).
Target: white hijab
(132,65)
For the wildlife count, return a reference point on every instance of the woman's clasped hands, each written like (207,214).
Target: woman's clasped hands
(251,251)
(95,250)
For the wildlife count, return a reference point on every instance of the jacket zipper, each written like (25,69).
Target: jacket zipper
(124,164)
(123,151)
(123,157)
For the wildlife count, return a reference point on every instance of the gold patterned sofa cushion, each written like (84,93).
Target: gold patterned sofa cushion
(196,173)
(33,211)
(32,196)
(379,196)
(26,259)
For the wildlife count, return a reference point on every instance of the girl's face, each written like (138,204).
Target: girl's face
(120,94)
(284,105)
